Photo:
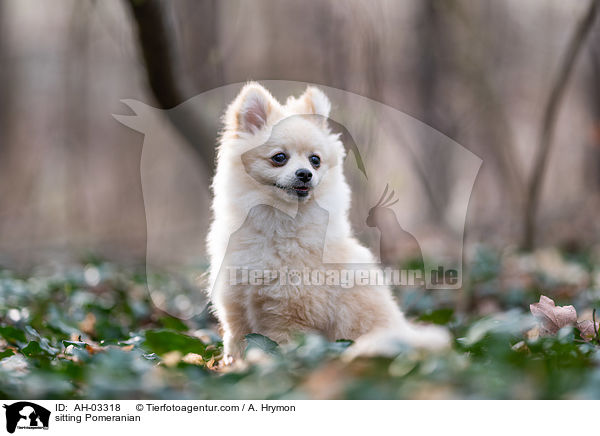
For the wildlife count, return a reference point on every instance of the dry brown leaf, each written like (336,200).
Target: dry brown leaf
(172,358)
(93,348)
(533,334)
(586,329)
(88,324)
(520,346)
(327,382)
(552,318)
(193,359)
(211,363)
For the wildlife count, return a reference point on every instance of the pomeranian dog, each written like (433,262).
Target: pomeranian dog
(281,203)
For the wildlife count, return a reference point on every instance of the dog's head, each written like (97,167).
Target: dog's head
(288,149)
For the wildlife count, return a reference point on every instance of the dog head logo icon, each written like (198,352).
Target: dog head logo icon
(26,415)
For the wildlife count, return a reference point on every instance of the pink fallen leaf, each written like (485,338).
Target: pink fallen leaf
(586,330)
(552,318)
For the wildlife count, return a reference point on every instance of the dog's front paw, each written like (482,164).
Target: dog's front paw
(233,347)
(227,360)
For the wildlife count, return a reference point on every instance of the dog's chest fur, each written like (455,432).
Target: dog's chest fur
(278,242)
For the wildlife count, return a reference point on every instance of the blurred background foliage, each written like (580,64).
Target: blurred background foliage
(480,72)
(517,83)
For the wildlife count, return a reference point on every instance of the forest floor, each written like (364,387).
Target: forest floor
(63,336)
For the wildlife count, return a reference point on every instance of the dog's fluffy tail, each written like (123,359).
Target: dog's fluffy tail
(390,341)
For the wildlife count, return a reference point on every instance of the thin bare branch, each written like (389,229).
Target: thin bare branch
(549,122)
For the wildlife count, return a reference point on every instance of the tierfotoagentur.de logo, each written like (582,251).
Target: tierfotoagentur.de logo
(24,415)
(389,163)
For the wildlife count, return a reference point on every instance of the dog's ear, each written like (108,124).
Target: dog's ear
(252,109)
(312,102)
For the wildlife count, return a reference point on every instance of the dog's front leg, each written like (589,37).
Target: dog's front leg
(235,327)
(233,347)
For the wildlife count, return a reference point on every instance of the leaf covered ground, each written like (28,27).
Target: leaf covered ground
(63,335)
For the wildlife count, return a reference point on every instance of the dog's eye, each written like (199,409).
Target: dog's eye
(315,161)
(279,158)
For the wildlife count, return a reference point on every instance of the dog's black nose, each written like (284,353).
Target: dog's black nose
(304,175)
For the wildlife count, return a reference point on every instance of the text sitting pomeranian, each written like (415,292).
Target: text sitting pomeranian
(280,203)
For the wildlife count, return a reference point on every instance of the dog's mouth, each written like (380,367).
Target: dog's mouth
(299,190)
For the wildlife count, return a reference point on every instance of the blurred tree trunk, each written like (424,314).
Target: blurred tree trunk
(593,163)
(206,65)
(6,86)
(166,73)
(76,158)
(542,155)
(488,39)
(335,45)
(433,71)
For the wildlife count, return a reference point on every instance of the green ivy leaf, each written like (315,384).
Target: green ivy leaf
(171,323)
(265,344)
(34,349)
(162,341)
(440,316)
(76,344)
(6,353)
(12,334)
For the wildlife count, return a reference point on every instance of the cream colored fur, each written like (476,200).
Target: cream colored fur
(262,226)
